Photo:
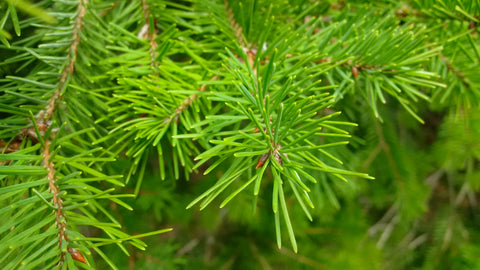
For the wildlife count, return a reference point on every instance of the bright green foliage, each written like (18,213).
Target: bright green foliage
(266,120)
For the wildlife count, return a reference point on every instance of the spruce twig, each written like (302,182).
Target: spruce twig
(44,117)
(149,32)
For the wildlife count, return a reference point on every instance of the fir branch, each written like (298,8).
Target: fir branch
(186,103)
(44,117)
(149,32)
(445,10)
(234,25)
(60,219)
(456,71)
(250,51)
(70,67)
(143,72)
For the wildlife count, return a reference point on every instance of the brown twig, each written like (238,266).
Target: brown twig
(69,69)
(236,27)
(56,200)
(250,51)
(43,120)
(186,103)
(43,116)
(146,33)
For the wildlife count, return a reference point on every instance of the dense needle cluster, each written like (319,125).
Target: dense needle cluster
(277,111)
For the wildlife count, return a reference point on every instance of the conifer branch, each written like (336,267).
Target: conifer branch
(56,200)
(439,11)
(456,71)
(70,67)
(251,52)
(235,26)
(186,103)
(288,85)
(43,120)
(148,32)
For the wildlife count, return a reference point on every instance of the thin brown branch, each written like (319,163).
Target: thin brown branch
(456,71)
(43,116)
(235,26)
(147,33)
(43,121)
(56,200)
(251,52)
(186,103)
(70,67)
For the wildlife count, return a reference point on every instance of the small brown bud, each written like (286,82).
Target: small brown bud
(355,71)
(262,160)
(76,255)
